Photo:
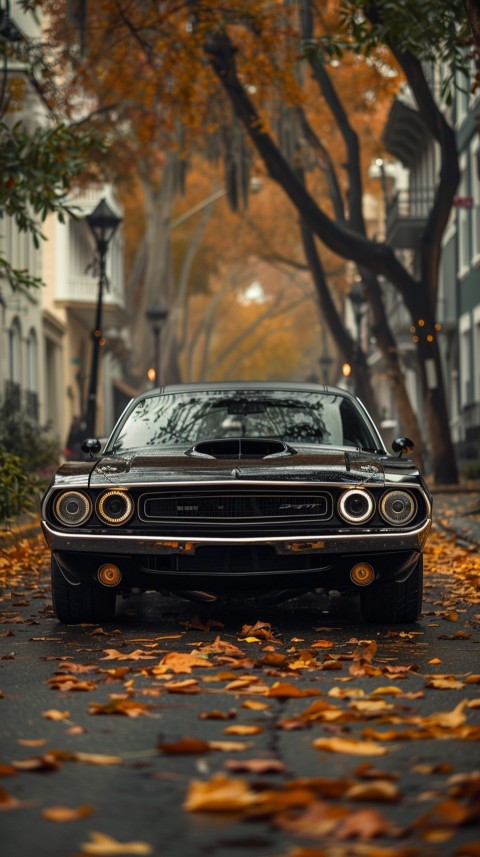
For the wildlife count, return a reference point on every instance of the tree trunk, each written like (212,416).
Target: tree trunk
(372,255)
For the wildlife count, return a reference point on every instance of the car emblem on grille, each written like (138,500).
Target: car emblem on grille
(236,473)
(300,506)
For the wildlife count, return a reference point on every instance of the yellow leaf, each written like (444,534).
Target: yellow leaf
(101,845)
(378,790)
(240,729)
(349,745)
(255,705)
(220,794)
(53,714)
(65,813)
(34,742)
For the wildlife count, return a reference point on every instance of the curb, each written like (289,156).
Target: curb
(26,527)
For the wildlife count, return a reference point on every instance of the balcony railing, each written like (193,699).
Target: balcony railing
(84,290)
(407,214)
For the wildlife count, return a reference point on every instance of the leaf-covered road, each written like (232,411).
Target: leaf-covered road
(286,730)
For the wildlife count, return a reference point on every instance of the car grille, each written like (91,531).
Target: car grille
(237,507)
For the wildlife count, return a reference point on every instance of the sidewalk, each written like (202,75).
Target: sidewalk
(24,527)
(456,511)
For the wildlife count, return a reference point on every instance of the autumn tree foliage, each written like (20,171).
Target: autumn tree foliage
(172,77)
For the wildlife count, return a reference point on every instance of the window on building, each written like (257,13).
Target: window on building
(13,384)
(465,361)
(463,217)
(476,354)
(475,193)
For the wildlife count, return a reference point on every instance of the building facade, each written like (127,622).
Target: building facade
(46,332)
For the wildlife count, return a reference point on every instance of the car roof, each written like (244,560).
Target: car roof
(289,386)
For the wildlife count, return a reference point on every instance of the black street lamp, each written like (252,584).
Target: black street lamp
(156,315)
(103,223)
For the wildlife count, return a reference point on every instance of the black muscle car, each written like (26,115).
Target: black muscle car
(238,489)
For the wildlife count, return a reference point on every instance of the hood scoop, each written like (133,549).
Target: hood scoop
(240,447)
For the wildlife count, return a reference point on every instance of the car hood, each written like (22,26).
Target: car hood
(171,465)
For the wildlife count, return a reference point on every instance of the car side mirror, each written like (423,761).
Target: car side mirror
(403,444)
(91,445)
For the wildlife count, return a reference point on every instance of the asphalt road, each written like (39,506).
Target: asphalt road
(93,723)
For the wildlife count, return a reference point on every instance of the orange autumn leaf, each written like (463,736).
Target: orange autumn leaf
(47,762)
(54,714)
(256,766)
(349,745)
(64,813)
(217,715)
(184,746)
(364,825)
(187,685)
(317,821)
(33,742)
(243,729)
(446,682)
(137,655)
(220,794)
(255,705)
(127,707)
(101,845)
(179,662)
(229,746)
(221,647)
(286,690)
(384,791)
(7,802)
(259,629)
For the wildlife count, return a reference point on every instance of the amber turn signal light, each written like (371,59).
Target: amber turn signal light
(362,574)
(109,575)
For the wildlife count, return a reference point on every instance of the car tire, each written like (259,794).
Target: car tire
(89,601)
(392,602)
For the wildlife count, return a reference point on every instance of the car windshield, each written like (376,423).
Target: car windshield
(294,417)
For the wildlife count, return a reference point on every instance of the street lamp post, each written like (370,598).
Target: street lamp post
(103,223)
(357,299)
(156,315)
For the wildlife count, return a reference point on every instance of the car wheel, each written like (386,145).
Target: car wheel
(392,602)
(87,602)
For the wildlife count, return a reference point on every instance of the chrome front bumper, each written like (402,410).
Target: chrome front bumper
(129,545)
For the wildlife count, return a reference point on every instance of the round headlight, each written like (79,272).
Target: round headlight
(115,507)
(72,508)
(356,506)
(398,507)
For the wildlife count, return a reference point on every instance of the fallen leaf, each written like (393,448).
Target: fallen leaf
(127,707)
(255,705)
(185,746)
(8,802)
(54,714)
(65,813)
(33,742)
(220,794)
(137,655)
(256,766)
(243,729)
(285,690)
(217,715)
(101,845)
(376,790)
(179,662)
(349,745)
